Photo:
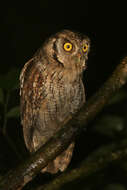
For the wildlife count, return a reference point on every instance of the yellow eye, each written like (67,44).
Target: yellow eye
(68,46)
(85,48)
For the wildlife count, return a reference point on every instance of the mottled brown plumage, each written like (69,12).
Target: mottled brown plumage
(52,91)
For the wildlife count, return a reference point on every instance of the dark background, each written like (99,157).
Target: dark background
(23,28)
(26,24)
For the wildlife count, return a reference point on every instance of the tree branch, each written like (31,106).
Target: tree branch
(95,162)
(24,173)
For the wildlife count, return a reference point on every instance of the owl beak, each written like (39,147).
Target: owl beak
(83,60)
(79,55)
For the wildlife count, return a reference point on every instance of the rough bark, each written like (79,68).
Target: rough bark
(95,162)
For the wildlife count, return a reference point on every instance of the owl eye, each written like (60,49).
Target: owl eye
(67,46)
(85,48)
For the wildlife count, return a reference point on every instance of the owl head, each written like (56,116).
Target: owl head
(68,49)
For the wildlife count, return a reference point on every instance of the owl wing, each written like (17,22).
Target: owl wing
(32,93)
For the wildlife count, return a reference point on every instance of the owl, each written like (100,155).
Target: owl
(51,91)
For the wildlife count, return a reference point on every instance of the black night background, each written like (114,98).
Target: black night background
(24,27)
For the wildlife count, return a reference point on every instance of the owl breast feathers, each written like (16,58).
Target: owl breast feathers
(51,91)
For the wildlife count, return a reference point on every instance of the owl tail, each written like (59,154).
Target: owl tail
(61,162)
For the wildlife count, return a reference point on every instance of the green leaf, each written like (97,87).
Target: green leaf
(14,112)
(1,96)
(10,80)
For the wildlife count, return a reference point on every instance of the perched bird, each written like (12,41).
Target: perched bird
(52,90)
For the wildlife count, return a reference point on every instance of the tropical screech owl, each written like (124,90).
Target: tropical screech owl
(52,90)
